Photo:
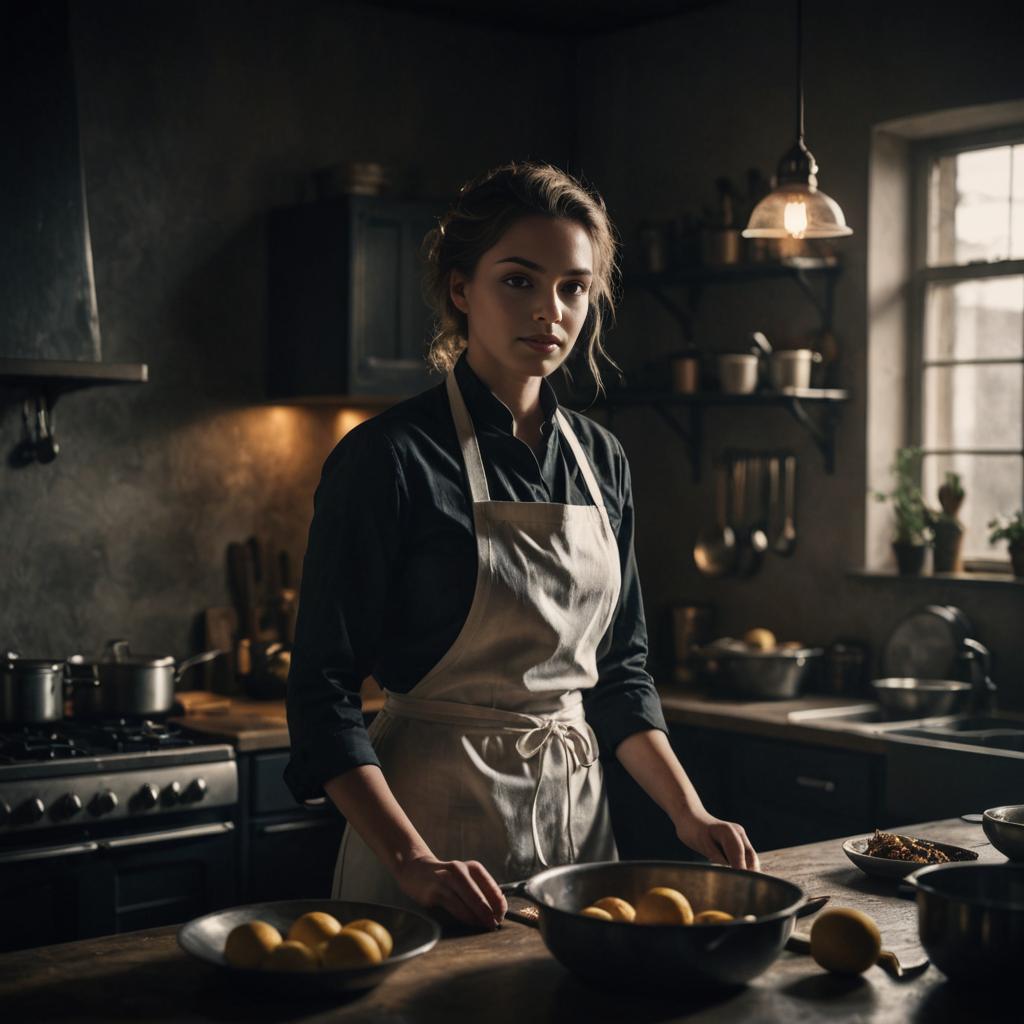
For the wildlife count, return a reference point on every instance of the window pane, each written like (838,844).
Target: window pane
(1017,208)
(973,406)
(969,206)
(993,487)
(975,319)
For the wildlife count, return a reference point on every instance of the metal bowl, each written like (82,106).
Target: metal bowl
(907,697)
(204,938)
(780,674)
(666,958)
(1004,827)
(970,918)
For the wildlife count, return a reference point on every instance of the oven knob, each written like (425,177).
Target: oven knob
(67,806)
(171,793)
(147,796)
(30,811)
(196,790)
(103,803)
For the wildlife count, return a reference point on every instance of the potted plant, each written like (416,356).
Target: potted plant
(1012,531)
(947,528)
(912,519)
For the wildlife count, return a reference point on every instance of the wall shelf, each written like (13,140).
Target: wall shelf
(684,414)
(54,377)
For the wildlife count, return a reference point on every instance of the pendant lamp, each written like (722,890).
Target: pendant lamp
(796,208)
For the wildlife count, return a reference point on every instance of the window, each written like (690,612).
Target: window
(967,327)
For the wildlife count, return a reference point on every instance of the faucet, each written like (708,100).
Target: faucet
(979,661)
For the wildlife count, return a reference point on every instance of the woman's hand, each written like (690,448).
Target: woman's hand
(464,889)
(722,842)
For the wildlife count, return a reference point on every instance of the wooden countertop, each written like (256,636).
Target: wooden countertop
(508,975)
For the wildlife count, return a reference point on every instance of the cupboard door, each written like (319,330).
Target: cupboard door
(389,317)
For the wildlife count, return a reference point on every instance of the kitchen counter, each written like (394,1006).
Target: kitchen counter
(509,975)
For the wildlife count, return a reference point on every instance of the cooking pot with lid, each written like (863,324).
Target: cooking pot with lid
(121,683)
(31,689)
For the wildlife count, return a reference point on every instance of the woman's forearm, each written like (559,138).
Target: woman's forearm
(365,800)
(650,760)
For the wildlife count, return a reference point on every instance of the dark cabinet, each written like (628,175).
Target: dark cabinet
(783,794)
(346,312)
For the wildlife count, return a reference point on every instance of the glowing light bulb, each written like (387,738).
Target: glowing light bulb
(794,218)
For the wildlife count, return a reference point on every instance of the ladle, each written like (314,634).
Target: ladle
(786,540)
(714,552)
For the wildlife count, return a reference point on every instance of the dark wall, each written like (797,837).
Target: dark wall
(670,107)
(196,119)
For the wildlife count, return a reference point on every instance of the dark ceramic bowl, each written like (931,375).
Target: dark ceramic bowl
(1004,827)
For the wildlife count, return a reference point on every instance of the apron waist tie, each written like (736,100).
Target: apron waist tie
(578,754)
(537,733)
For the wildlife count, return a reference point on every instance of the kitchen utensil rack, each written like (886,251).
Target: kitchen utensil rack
(685,413)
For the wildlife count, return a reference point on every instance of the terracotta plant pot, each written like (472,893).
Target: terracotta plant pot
(949,536)
(1017,558)
(909,558)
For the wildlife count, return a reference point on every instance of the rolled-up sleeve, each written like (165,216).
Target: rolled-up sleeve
(351,556)
(624,701)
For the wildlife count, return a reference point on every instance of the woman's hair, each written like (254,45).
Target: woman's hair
(481,214)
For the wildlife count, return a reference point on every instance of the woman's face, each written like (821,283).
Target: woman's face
(535,281)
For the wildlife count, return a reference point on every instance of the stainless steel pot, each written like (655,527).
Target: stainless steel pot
(650,957)
(31,690)
(921,698)
(121,683)
(780,674)
(970,918)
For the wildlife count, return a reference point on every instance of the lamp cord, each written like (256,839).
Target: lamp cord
(799,70)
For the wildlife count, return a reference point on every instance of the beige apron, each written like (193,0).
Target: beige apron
(489,754)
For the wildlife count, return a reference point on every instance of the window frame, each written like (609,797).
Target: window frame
(921,275)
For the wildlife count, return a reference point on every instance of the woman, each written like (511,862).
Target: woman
(472,548)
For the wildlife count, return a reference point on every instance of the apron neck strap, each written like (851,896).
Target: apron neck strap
(474,461)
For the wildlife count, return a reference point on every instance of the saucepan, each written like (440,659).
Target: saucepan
(31,689)
(656,957)
(122,683)
(970,918)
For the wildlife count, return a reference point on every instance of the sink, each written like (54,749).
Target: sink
(1000,738)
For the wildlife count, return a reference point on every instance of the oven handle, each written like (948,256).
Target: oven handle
(72,849)
(169,836)
(294,826)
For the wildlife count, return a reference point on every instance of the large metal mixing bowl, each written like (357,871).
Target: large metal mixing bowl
(1004,827)
(970,918)
(921,698)
(665,958)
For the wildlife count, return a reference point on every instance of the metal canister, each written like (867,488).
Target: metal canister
(846,668)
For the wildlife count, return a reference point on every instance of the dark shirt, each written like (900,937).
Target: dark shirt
(391,563)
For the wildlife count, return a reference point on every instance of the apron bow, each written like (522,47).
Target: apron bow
(579,753)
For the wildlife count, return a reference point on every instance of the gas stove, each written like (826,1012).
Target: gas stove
(126,771)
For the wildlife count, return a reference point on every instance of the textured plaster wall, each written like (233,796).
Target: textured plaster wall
(669,107)
(197,118)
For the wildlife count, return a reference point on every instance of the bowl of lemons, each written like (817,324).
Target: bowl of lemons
(663,926)
(309,947)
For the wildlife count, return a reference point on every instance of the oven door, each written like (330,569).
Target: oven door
(45,896)
(165,877)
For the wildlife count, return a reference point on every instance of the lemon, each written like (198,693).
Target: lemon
(349,948)
(290,956)
(760,639)
(845,941)
(249,943)
(601,915)
(619,910)
(313,928)
(377,932)
(662,905)
(712,917)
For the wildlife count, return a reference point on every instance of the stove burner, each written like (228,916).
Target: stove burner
(69,739)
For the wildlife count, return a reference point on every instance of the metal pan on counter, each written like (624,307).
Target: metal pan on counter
(657,957)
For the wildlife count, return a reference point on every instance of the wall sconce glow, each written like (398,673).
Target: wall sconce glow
(796,208)
(349,418)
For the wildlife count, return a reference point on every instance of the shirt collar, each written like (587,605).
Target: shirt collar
(486,408)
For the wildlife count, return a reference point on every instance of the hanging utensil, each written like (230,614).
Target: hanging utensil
(751,541)
(714,552)
(785,543)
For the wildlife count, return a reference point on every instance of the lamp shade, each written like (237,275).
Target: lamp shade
(797,210)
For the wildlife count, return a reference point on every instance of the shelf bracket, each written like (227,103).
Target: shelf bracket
(823,433)
(683,317)
(822,305)
(689,432)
